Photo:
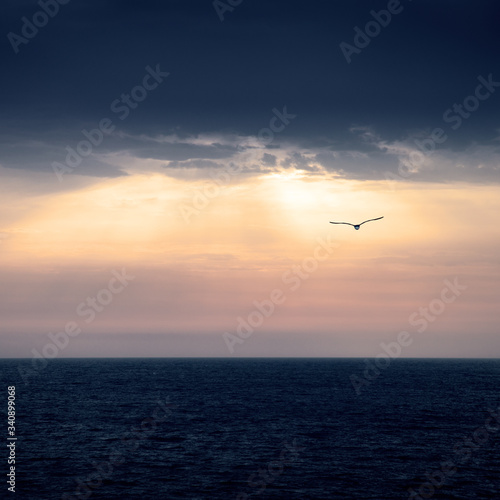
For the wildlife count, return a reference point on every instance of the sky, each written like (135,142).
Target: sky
(169,170)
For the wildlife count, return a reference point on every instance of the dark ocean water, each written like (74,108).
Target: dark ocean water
(260,429)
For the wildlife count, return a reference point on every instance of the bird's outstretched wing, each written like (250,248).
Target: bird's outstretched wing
(348,223)
(378,218)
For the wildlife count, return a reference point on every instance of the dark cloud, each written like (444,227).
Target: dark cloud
(299,162)
(182,151)
(269,160)
(226,77)
(37,156)
(194,164)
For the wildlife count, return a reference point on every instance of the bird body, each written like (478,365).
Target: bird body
(356,226)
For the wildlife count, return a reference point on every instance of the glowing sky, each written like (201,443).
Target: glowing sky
(210,210)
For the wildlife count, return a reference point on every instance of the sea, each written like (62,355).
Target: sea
(208,429)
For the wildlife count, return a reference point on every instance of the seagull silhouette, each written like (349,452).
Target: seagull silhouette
(356,226)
